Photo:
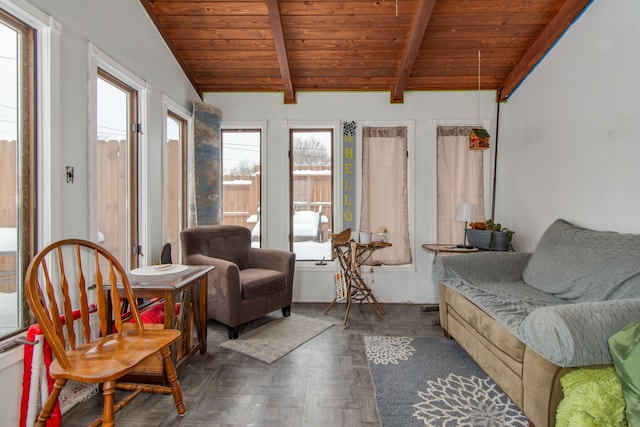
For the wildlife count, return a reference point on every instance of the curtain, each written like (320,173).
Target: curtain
(460,179)
(384,191)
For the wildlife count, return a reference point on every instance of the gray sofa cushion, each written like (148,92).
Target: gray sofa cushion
(572,335)
(508,303)
(581,265)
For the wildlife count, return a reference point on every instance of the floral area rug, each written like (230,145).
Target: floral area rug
(433,382)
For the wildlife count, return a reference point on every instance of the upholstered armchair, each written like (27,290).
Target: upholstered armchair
(246,282)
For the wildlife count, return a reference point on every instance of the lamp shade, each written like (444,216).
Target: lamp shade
(466,212)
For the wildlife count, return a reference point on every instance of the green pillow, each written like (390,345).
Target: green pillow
(624,346)
(592,398)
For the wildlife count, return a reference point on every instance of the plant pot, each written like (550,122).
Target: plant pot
(482,239)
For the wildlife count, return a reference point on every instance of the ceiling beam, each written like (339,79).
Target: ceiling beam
(418,28)
(275,18)
(567,14)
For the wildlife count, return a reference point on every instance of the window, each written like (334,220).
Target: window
(17,166)
(241,182)
(116,168)
(175,194)
(385,191)
(311,193)
(460,180)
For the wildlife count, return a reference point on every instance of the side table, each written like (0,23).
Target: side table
(187,286)
(351,256)
(447,248)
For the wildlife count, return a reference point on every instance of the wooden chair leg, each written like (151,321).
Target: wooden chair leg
(47,409)
(108,412)
(172,378)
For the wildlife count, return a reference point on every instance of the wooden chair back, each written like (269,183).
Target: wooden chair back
(64,281)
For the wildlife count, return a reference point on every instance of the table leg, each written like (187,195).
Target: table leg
(200,313)
(335,300)
(366,294)
(169,310)
(346,312)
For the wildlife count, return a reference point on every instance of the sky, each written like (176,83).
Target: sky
(239,147)
(8,96)
(244,146)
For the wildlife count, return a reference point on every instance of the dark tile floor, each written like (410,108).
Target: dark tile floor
(324,382)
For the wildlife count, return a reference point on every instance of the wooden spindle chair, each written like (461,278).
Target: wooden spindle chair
(70,275)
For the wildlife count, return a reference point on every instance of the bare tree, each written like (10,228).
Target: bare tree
(310,151)
(242,168)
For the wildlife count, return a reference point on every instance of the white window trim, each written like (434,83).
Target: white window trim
(433,182)
(47,56)
(100,60)
(49,211)
(260,125)
(411,126)
(169,104)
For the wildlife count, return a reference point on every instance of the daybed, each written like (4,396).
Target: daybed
(529,318)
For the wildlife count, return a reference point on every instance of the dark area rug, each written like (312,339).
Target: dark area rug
(433,382)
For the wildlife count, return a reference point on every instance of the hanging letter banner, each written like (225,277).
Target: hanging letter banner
(207,144)
(348,175)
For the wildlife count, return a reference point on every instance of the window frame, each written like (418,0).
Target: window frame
(100,60)
(46,126)
(336,176)
(172,108)
(487,167)
(260,126)
(26,150)
(131,203)
(411,170)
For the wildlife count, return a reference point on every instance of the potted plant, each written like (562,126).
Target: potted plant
(490,235)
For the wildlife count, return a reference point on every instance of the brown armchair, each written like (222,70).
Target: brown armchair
(246,282)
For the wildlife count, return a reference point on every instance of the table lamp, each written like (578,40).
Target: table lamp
(466,212)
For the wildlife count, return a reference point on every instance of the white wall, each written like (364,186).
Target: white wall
(569,145)
(122,30)
(391,284)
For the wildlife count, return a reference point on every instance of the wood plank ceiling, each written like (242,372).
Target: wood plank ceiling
(360,45)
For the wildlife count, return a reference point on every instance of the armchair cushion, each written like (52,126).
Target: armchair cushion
(258,282)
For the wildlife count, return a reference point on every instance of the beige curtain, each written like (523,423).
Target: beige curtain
(384,191)
(460,179)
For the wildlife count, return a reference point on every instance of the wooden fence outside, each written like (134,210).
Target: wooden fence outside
(312,191)
(8,210)
(312,187)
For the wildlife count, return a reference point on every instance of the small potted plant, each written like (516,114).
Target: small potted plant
(490,235)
